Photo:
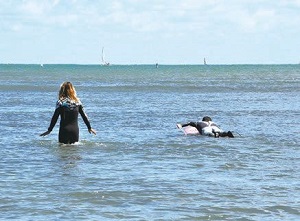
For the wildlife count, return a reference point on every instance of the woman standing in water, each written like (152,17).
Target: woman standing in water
(67,107)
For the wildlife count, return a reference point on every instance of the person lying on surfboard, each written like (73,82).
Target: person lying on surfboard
(207,127)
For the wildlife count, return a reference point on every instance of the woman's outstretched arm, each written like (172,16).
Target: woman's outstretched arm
(53,122)
(86,120)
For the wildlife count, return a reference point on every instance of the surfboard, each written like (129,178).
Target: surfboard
(189,130)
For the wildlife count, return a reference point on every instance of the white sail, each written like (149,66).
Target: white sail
(103,58)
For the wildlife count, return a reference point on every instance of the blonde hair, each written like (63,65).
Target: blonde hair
(67,90)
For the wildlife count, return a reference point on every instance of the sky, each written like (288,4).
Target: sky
(148,32)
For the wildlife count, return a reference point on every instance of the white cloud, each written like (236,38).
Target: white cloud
(178,16)
(35,7)
(291,2)
(256,21)
(173,22)
(16,27)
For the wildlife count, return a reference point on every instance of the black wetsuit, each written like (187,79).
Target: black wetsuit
(200,125)
(68,111)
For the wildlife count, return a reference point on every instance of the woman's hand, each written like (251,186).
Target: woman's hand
(92,131)
(46,133)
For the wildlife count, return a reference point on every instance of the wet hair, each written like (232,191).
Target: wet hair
(67,90)
(206,118)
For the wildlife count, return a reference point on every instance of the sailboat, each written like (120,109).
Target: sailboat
(103,60)
(204,61)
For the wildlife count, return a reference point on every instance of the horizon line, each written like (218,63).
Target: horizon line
(162,64)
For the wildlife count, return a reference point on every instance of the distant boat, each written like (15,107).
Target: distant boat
(156,65)
(204,61)
(42,65)
(103,58)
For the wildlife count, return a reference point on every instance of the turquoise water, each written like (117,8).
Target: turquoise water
(139,166)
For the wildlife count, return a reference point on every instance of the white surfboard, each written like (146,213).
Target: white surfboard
(189,130)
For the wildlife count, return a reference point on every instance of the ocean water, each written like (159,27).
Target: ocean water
(139,166)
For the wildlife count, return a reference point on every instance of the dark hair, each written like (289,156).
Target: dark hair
(206,118)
